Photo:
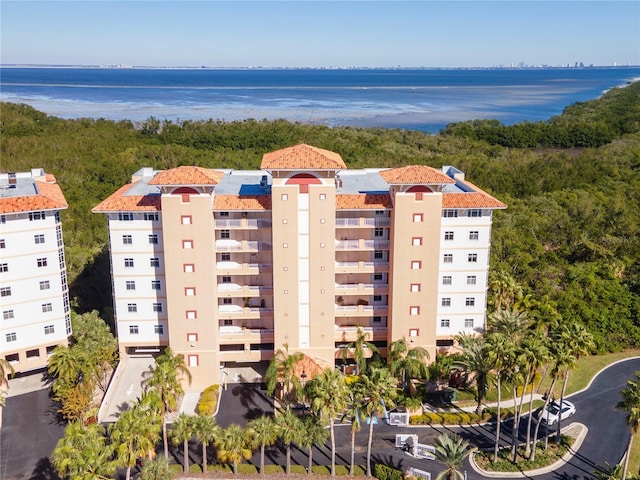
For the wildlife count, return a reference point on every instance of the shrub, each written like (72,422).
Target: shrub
(247,469)
(273,469)
(298,469)
(320,470)
(383,472)
(208,401)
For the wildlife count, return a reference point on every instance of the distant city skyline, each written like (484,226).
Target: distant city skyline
(321,34)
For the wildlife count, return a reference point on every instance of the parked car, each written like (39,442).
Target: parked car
(553,412)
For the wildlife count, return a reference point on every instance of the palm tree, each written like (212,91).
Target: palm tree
(328,393)
(281,372)
(407,363)
(290,431)
(379,391)
(6,370)
(206,430)
(501,353)
(65,364)
(132,437)
(451,450)
(353,412)
(182,431)
(263,432)
(166,380)
(630,403)
(232,446)
(504,291)
(475,361)
(578,341)
(358,347)
(83,453)
(314,434)
(509,322)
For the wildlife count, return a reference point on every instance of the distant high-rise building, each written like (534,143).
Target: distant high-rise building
(34,295)
(227,266)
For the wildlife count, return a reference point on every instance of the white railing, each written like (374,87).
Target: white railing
(347,222)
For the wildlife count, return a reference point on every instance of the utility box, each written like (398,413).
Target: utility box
(449,395)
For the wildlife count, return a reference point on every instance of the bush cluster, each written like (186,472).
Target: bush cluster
(208,401)
(383,472)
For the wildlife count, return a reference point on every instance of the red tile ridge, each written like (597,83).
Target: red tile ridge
(302,157)
(415,175)
(187,175)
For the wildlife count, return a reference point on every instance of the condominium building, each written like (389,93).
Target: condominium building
(34,296)
(228,266)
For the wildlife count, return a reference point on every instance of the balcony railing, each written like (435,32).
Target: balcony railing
(362,244)
(229,245)
(361,267)
(234,289)
(236,268)
(242,223)
(362,222)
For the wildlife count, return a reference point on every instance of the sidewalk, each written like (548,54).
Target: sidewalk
(509,403)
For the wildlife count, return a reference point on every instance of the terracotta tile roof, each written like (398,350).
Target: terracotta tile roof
(121,202)
(415,175)
(477,199)
(187,176)
(354,201)
(302,157)
(235,202)
(48,197)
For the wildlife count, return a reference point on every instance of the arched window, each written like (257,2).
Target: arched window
(304,180)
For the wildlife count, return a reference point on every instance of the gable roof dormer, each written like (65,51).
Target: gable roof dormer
(302,157)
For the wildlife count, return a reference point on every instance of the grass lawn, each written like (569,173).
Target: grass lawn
(634,461)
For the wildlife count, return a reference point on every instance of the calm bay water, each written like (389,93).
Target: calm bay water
(424,100)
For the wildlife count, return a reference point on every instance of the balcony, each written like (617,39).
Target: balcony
(229,245)
(349,333)
(361,288)
(361,267)
(361,310)
(236,290)
(230,334)
(362,222)
(233,312)
(362,244)
(235,268)
(242,223)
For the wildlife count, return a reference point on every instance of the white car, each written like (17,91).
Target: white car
(553,412)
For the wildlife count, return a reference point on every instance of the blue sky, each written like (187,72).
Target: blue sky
(320,33)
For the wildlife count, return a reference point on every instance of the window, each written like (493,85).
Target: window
(448,258)
(418,196)
(225,234)
(38,239)
(378,254)
(414,332)
(133,329)
(468,323)
(11,337)
(192,337)
(414,310)
(155,285)
(470,301)
(3,244)
(379,212)
(128,262)
(417,218)
(378,232)
(157,307)
(449,213)
(415,287)
(377,277)
(227,301)
(377,320)
(472,258)
(186,219)
(49,329)
(45,285)
(226,279)
(158,329)
(187,244)
(416,241)
(127,239)
(474,212)
(225,257)
(8,314)
(47,307)
(471,279)
(473,235)
(284,196)
(42,262)
(4,267)
(193,360)
(151,216)
(445,323)
(154,262)
(191,314)
(446,280)
(190,291)
(36,216)
(416,265)
(189,268)
(125,216)
(446,301)
(132,307)
(153,239)
(323,196)
(377,298)
(448,235)
(224,214)
(5,291)
(131,285)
